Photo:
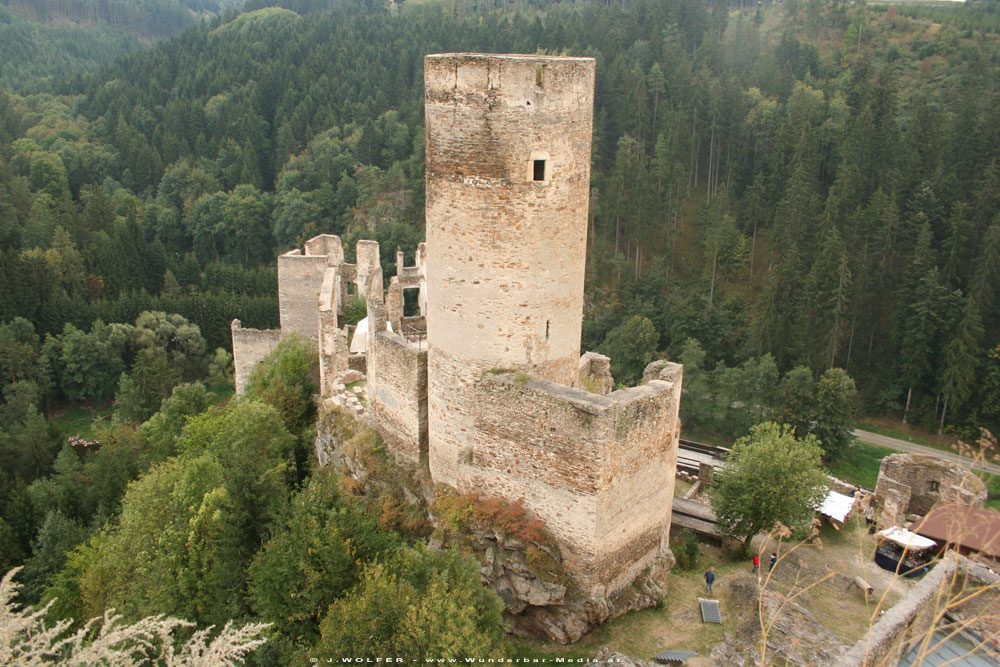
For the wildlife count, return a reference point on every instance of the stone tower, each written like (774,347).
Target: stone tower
(508,179)
(498,400)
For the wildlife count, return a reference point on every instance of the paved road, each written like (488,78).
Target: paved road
(905,446)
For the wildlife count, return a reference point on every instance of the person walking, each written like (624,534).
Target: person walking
(870,518)
(756,563)
(772,561)
(710,578)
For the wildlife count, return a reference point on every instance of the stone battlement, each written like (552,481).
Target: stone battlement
(597,469)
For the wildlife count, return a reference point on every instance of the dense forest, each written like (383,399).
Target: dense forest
(800,202)
(45,40)
(141,18)
(33,55)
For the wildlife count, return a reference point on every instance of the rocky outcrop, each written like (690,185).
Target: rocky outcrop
(385,487)
(540,601)
(518,560)
(572,617)
(794,635)
(82,446)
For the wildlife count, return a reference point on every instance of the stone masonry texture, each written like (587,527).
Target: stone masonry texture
(249,347)
(928,480)
(397,394)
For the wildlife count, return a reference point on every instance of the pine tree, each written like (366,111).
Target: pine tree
(987,276)
(922,324)
(962,360)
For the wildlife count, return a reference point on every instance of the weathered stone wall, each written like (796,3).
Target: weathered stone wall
(300,279)
(397,394)
(637,492)
(506,253)
(394,303)
(599,470)
(595,373)
(414,276)
(333,350)
(249,347)
(930,480)
(328,245)
(368,269)
(506,244)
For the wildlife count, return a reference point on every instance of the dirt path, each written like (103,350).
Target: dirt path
(905,446)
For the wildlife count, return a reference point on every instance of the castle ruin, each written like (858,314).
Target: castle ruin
(497,399)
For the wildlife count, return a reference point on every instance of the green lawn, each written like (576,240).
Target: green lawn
(993,487)
(676,624)
(893,428)
(707,437)
(81,419)
(859,465)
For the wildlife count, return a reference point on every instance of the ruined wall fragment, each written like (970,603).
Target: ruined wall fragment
(250,346)
(930,480)
(300,279)
(397,394)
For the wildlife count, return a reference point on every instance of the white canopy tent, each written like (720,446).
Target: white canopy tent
(906,539)
(359,343)
(837,506)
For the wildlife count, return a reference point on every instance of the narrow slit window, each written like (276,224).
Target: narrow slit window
(539,170)
(548,324)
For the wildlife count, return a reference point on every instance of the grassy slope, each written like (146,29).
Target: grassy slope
(82,419)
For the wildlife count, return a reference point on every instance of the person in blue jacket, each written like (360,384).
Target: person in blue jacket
(710,578)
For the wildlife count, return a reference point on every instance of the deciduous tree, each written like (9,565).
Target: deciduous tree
(770,476)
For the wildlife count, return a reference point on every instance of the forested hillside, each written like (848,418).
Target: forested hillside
(142,18)
(800,202)
(814,182)
(45,42)
(32,55)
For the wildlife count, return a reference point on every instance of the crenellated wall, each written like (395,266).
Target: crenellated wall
(599,470)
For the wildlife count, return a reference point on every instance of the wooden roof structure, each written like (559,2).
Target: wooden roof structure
(969,528)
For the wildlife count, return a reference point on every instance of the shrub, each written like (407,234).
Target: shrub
(686,549)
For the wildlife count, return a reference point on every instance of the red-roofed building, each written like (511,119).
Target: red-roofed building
(970,529)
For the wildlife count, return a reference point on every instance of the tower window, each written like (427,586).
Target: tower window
(548,324)
(539,170)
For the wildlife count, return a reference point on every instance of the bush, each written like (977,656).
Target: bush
(686,549)
(287,379)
